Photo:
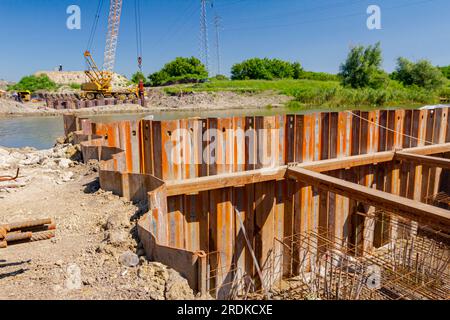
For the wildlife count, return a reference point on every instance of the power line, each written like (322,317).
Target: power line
(322,8)
(325,19)
(217,24)
(204,48)
(229,3)
(178,23)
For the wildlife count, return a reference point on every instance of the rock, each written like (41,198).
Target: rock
(49,164)
(4,152)
(73,153)
(154,275)
(129,259)
(66,176)
(117,237)
(117,220)
(31,159)
(88,281)
(101,248)
(60,140)
(65,163)
(177,287)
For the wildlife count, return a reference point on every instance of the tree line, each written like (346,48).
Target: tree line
(361,69)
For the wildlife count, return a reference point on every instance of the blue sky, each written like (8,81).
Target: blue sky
(318,33)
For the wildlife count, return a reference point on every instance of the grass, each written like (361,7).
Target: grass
(323,94)
(75,86)
(251,86)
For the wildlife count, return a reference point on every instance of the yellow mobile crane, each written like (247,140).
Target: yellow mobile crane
(100,84)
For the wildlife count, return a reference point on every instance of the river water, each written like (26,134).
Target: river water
(41,132)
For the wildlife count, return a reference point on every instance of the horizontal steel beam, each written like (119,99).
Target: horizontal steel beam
(410,209)
(427,160)
(195,185)
(235,179)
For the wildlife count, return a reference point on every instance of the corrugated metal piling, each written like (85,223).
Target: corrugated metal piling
(228,197)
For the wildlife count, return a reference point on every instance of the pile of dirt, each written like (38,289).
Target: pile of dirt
(96,253)
(157,100)
(9,108)
(4,84)
(215,100)
(79,77)
(12,107)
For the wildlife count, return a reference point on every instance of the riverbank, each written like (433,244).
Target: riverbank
(96,253)
(158,101)
(306,94)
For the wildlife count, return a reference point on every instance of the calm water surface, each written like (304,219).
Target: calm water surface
(41,132)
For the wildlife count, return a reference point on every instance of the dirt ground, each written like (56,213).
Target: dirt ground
(157,101)
(95,233)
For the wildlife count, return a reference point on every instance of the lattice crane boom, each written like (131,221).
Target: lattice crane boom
(115,11)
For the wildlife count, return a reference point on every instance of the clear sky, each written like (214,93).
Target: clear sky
(318,33)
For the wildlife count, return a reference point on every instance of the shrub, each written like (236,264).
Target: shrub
(421,74)
(265,69)
(319,76)
(445,71)
(362,68)
(179,70)
(219,77)
(34,83)
(356,98)
(75,86)
(136,77)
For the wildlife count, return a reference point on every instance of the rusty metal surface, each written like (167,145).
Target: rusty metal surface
(28,224)
(207,221)
(45,235)
(18,236)
(10,178)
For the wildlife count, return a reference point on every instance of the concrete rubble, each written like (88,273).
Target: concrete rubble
(97,255)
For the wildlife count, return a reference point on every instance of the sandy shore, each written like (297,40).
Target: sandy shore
(156,102)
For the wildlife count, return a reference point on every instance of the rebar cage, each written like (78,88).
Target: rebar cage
(396,260)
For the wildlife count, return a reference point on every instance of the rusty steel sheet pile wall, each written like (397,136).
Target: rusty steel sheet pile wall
(140,157)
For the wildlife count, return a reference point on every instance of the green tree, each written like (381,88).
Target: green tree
(422,74)
(34,83)
(266,69)
(179,70)
(136,77)
(363,68)
(445,71)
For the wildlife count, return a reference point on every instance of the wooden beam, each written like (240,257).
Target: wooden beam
(431,161)
(410,209)
(195,185)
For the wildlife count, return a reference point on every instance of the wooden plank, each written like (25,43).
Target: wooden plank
(407,208)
